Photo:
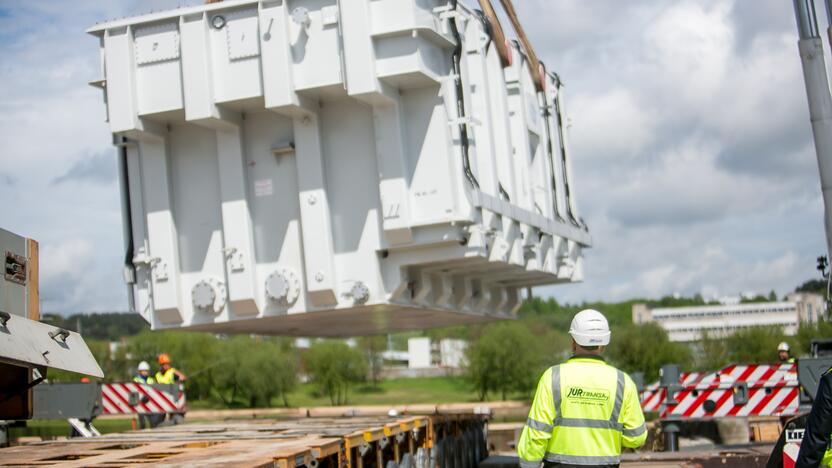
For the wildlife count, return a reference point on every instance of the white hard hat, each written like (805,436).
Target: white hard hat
(144,366)
(783,346)
(590,328)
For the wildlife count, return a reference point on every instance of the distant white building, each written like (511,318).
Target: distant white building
(687,324)
(419,353)
(447,353)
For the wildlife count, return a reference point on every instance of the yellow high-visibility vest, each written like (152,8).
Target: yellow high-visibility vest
(168,377)
(139,379)
(583,412)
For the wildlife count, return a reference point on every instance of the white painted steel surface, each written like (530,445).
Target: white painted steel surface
(301,167)
(28,343)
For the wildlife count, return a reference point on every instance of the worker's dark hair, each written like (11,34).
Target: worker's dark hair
(590,348)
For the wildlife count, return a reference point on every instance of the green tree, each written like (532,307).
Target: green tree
(111,357)
(817,286)
(714,353)
(333,367)
(808,332)
(644,348)
(373,347)
(505,358)
(266,372)
(758,298)
(754,344)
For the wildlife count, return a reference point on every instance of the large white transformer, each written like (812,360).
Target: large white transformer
(334,167)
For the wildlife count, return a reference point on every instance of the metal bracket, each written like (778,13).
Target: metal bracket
(15,268)
(59,333)
(464,120)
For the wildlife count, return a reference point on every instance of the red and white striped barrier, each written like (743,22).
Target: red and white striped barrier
(772,390)
(134,398)
(653,396)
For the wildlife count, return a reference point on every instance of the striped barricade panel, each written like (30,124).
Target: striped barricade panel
(134,398)
(653,395)
(772,390)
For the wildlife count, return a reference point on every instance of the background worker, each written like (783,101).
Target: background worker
(168,374)
(783,352)
(584,410)
(143,377)
(143,374)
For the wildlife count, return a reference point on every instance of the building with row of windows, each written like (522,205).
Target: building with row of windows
(687,324)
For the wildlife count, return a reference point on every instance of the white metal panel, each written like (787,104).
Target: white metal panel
(142,288)
(315,46)
(121,92)
(30,343)
(157,61)
(196,69)
(314,211)
(350,162)
(236,223)
(236,76)
(359,59)
(430,159)
(276,59)
(163,249)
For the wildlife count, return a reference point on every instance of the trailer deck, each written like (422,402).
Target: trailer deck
(312,442)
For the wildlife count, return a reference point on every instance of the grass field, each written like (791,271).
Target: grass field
(388,392)
(394,391)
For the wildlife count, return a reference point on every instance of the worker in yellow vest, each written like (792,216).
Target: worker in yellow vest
(783,352)
(584,410)
(143,377)
(168,374)
(815,448)
(143,374)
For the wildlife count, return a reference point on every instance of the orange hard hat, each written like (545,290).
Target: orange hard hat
(164,359)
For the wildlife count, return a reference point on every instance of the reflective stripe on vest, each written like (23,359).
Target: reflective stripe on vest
(539,426)
(582,459)
(530,464)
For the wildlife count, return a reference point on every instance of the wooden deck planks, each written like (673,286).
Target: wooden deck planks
(328,442)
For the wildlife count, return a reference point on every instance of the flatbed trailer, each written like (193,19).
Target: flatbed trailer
(439,440)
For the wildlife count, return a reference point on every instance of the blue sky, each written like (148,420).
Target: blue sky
(691,145)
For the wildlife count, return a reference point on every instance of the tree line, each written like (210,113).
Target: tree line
(241,370)
(504,358)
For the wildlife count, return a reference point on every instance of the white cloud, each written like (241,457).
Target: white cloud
(612,125)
